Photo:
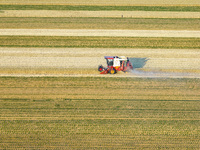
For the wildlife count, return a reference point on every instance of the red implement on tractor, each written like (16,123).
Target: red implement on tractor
(115,64)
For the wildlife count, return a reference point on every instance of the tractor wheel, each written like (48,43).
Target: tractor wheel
(112,71)
(100,68)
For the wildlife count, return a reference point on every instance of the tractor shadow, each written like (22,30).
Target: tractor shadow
(138,62)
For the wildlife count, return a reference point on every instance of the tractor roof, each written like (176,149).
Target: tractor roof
(112,57)
(109,57)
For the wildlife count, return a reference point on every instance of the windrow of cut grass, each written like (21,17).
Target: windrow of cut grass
(100,23)
(91,112)
(99,42)
(100,8)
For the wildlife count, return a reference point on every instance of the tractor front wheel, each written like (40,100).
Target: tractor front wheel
(100,68)
(112,71)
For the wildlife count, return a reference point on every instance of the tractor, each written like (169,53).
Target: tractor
(115,64)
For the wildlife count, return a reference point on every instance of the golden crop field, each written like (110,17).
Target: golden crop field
(52,96)
(102,113)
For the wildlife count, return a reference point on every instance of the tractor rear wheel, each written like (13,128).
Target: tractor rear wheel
(112,71)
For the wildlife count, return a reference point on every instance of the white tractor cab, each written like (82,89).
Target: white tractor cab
(114,64)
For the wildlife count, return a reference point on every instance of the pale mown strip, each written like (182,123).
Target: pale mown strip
(105,2)
(101,33)
(93,62)
(100,52)
(51,62)
(89,58)
(131,14)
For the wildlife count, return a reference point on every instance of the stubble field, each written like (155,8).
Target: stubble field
(102,113)
(83,110)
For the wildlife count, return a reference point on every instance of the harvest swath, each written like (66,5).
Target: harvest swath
(100,23)
(100,8)
(89,112)
(99,42)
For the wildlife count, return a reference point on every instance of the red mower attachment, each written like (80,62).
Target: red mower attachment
(115,64)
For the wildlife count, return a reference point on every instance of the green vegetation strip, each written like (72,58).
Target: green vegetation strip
(100,42)
(91,112)
(101,23)
(101,8)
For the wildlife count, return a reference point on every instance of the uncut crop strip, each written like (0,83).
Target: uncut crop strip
(101,8)
(99,42)
(73,113)
(99,23)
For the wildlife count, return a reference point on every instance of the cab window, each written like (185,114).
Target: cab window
(110,62)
